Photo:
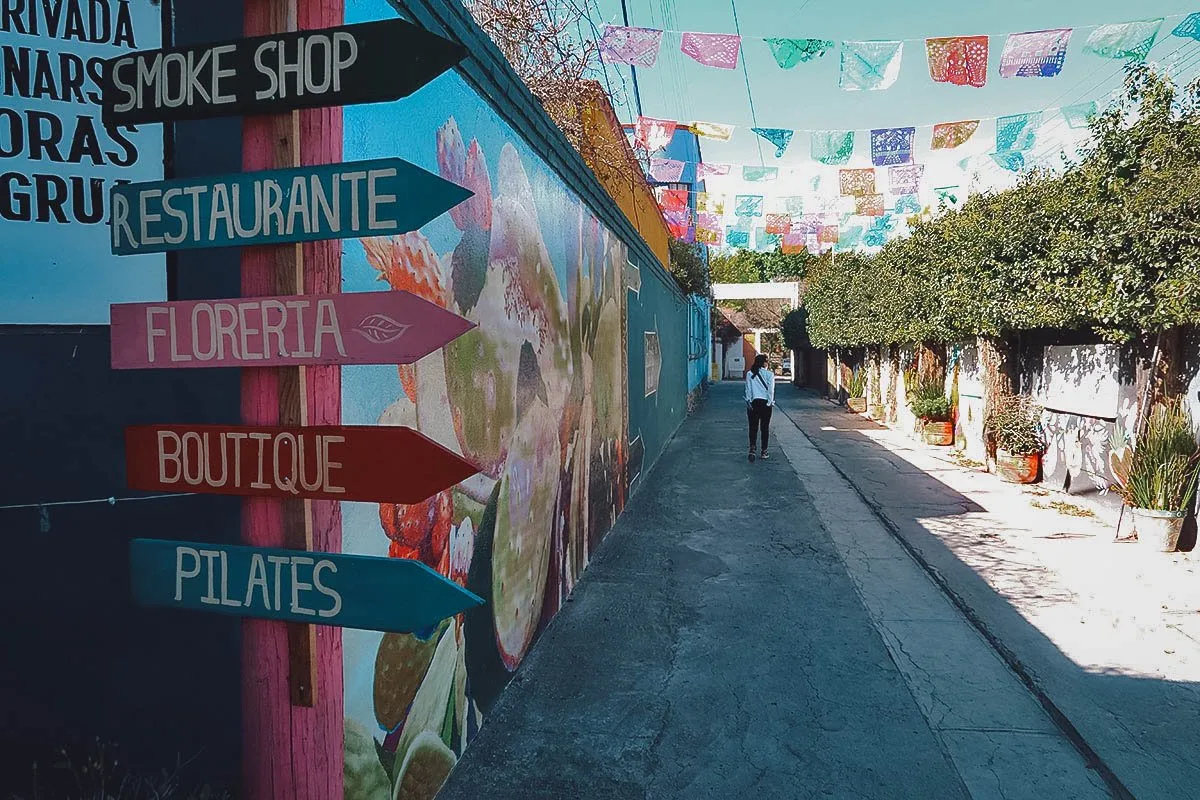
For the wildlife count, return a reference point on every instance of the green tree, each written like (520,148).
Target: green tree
(1110,244)
(740,266)
(795,329)
(689,269)
(750,266)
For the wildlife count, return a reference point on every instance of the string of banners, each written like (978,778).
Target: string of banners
(1015,132)
(875,65)
(795,219)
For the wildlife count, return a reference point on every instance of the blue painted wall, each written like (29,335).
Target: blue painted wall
(80,660)
(660,308)
(699,342)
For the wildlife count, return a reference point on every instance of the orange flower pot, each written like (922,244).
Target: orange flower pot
(857,404)
(940,434)
(1017,468)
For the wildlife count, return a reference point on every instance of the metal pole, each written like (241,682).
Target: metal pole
(637,95)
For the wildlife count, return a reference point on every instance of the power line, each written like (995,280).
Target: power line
(637,94)
(746,73)
(1074,28)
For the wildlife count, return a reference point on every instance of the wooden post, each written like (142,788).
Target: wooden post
(292,701)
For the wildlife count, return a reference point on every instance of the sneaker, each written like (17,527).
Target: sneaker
(764,455)
(751,455)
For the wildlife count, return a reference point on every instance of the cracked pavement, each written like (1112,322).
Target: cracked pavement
(744,631)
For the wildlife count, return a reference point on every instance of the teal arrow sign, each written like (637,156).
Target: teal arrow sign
(382,197)
(379,594)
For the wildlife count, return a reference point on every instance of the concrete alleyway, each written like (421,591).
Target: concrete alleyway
(738,636)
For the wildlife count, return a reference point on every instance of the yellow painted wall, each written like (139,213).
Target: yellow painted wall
(602,133)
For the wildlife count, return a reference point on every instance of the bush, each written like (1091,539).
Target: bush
(795,329)
(927,399)
(96,771)
(1110,244)
(1162,476)
(689,269)
(1015,425)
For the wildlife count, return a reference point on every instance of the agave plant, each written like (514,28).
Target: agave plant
(857,386)
(1163,472)
(927,398)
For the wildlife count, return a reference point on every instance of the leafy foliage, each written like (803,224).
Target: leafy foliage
(1112,244)
(689,269)
(858,383)
(748,266)
(1163,474)
(927,399)
(795,329)
(1015,425)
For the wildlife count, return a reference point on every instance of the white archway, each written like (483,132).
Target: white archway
(789,291)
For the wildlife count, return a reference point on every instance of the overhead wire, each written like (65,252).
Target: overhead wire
(1180,59)
(1050,144)
(746,73)
(1166,18)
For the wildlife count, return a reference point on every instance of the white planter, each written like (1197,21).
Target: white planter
(1158,530)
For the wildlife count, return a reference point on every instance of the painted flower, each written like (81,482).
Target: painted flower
(420,531)
(408,262)
(467,168)
(517,246)
(462,547)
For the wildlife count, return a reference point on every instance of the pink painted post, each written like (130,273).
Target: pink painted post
(291,751)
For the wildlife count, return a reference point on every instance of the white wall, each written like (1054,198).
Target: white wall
(758,291)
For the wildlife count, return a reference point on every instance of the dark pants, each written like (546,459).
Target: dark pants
(760,414)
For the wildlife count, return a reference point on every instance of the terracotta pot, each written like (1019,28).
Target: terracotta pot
(1158,530)
(938,433)
(1017,468)
(876,411)
(857,404)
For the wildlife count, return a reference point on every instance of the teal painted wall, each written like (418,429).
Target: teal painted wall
(699,342)
(658,308)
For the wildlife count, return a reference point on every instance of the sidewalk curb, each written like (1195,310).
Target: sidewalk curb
(1060,719)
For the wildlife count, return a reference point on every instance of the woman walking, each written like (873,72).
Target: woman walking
(760,400)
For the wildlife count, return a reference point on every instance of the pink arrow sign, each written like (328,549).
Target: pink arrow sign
(355,328)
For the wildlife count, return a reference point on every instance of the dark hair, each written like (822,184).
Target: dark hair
(760,361)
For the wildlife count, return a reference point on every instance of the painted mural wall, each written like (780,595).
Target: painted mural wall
(538,396)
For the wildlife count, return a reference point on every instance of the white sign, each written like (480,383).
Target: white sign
(58,161)
(1082,379)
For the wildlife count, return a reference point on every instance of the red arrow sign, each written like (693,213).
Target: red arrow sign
(355,328)
(327,462)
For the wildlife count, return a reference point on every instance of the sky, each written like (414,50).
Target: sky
(808,97)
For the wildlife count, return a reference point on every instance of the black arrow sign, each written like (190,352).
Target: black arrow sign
(350,64)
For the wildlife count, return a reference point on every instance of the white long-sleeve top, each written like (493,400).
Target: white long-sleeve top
(763,389)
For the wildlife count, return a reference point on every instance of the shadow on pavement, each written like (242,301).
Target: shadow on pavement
(1139,731)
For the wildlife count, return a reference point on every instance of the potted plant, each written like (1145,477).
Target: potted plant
(1015,429)
(928,402)
(857,390)
(1162,476)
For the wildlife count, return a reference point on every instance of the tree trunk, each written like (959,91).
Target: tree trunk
(1169,382)
(874,390)
(998,355)
(931,361)
(893,380)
